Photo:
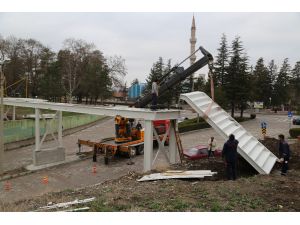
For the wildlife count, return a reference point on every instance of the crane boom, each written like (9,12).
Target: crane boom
(176,77)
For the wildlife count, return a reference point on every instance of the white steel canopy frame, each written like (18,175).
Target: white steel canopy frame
(124,111)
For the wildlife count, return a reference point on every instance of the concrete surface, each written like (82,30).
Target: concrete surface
(49,156)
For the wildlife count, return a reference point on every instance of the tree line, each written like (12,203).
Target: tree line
(77,70)
(237,83)
(80,70)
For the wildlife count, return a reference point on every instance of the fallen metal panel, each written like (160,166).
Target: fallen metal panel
(178,174)
(249,147)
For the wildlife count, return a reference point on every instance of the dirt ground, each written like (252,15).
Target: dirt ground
(251,192)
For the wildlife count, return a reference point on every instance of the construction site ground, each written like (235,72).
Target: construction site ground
(116,189)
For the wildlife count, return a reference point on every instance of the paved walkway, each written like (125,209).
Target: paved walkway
(79,174)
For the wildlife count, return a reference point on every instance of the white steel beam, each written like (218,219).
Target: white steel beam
(146,114)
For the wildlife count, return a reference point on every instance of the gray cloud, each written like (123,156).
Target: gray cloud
(142,37)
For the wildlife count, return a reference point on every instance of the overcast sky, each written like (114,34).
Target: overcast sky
(140,38)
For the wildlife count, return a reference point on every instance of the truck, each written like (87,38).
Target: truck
(129,139)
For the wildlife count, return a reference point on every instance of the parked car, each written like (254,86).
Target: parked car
(296,121)
(199,152)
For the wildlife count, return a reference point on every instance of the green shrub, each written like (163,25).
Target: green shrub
(189,127)
(294,132)
(192,121)
(191,124)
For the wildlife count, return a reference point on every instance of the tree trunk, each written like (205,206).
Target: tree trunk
(232,109)
(242,111)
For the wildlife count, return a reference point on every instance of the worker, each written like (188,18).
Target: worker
(128,128)
(229,154)
(284,154)
(211,147)
(154,92)
(132,122)
(117,125)
(138,126)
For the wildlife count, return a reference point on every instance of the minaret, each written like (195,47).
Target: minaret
(193,41)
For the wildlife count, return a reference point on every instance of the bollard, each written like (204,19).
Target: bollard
(45,180)
(7,186)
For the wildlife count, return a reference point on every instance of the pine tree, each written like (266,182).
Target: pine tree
(156,72)
(272,68)
(135,81)
(221,62)
(272,71)
(295,81)
(52,84)
(280,95)
(200,84)
(237,85)
(262,83)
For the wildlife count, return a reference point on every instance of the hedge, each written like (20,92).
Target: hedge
(191,124)
(190,127)
(294,132)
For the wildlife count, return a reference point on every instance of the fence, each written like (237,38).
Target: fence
(24,129)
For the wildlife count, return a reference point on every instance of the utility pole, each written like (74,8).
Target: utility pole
(1,120)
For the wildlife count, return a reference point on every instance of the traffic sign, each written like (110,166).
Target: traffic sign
(263,124)
(290,114)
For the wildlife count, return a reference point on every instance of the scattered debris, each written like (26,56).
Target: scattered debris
(178,174)
(66,204)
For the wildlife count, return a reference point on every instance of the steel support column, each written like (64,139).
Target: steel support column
(148,145)
(172,144)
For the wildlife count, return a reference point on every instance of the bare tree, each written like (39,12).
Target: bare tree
(32,53)
(117,69)
(15,69)
(73,58)
(2,48)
